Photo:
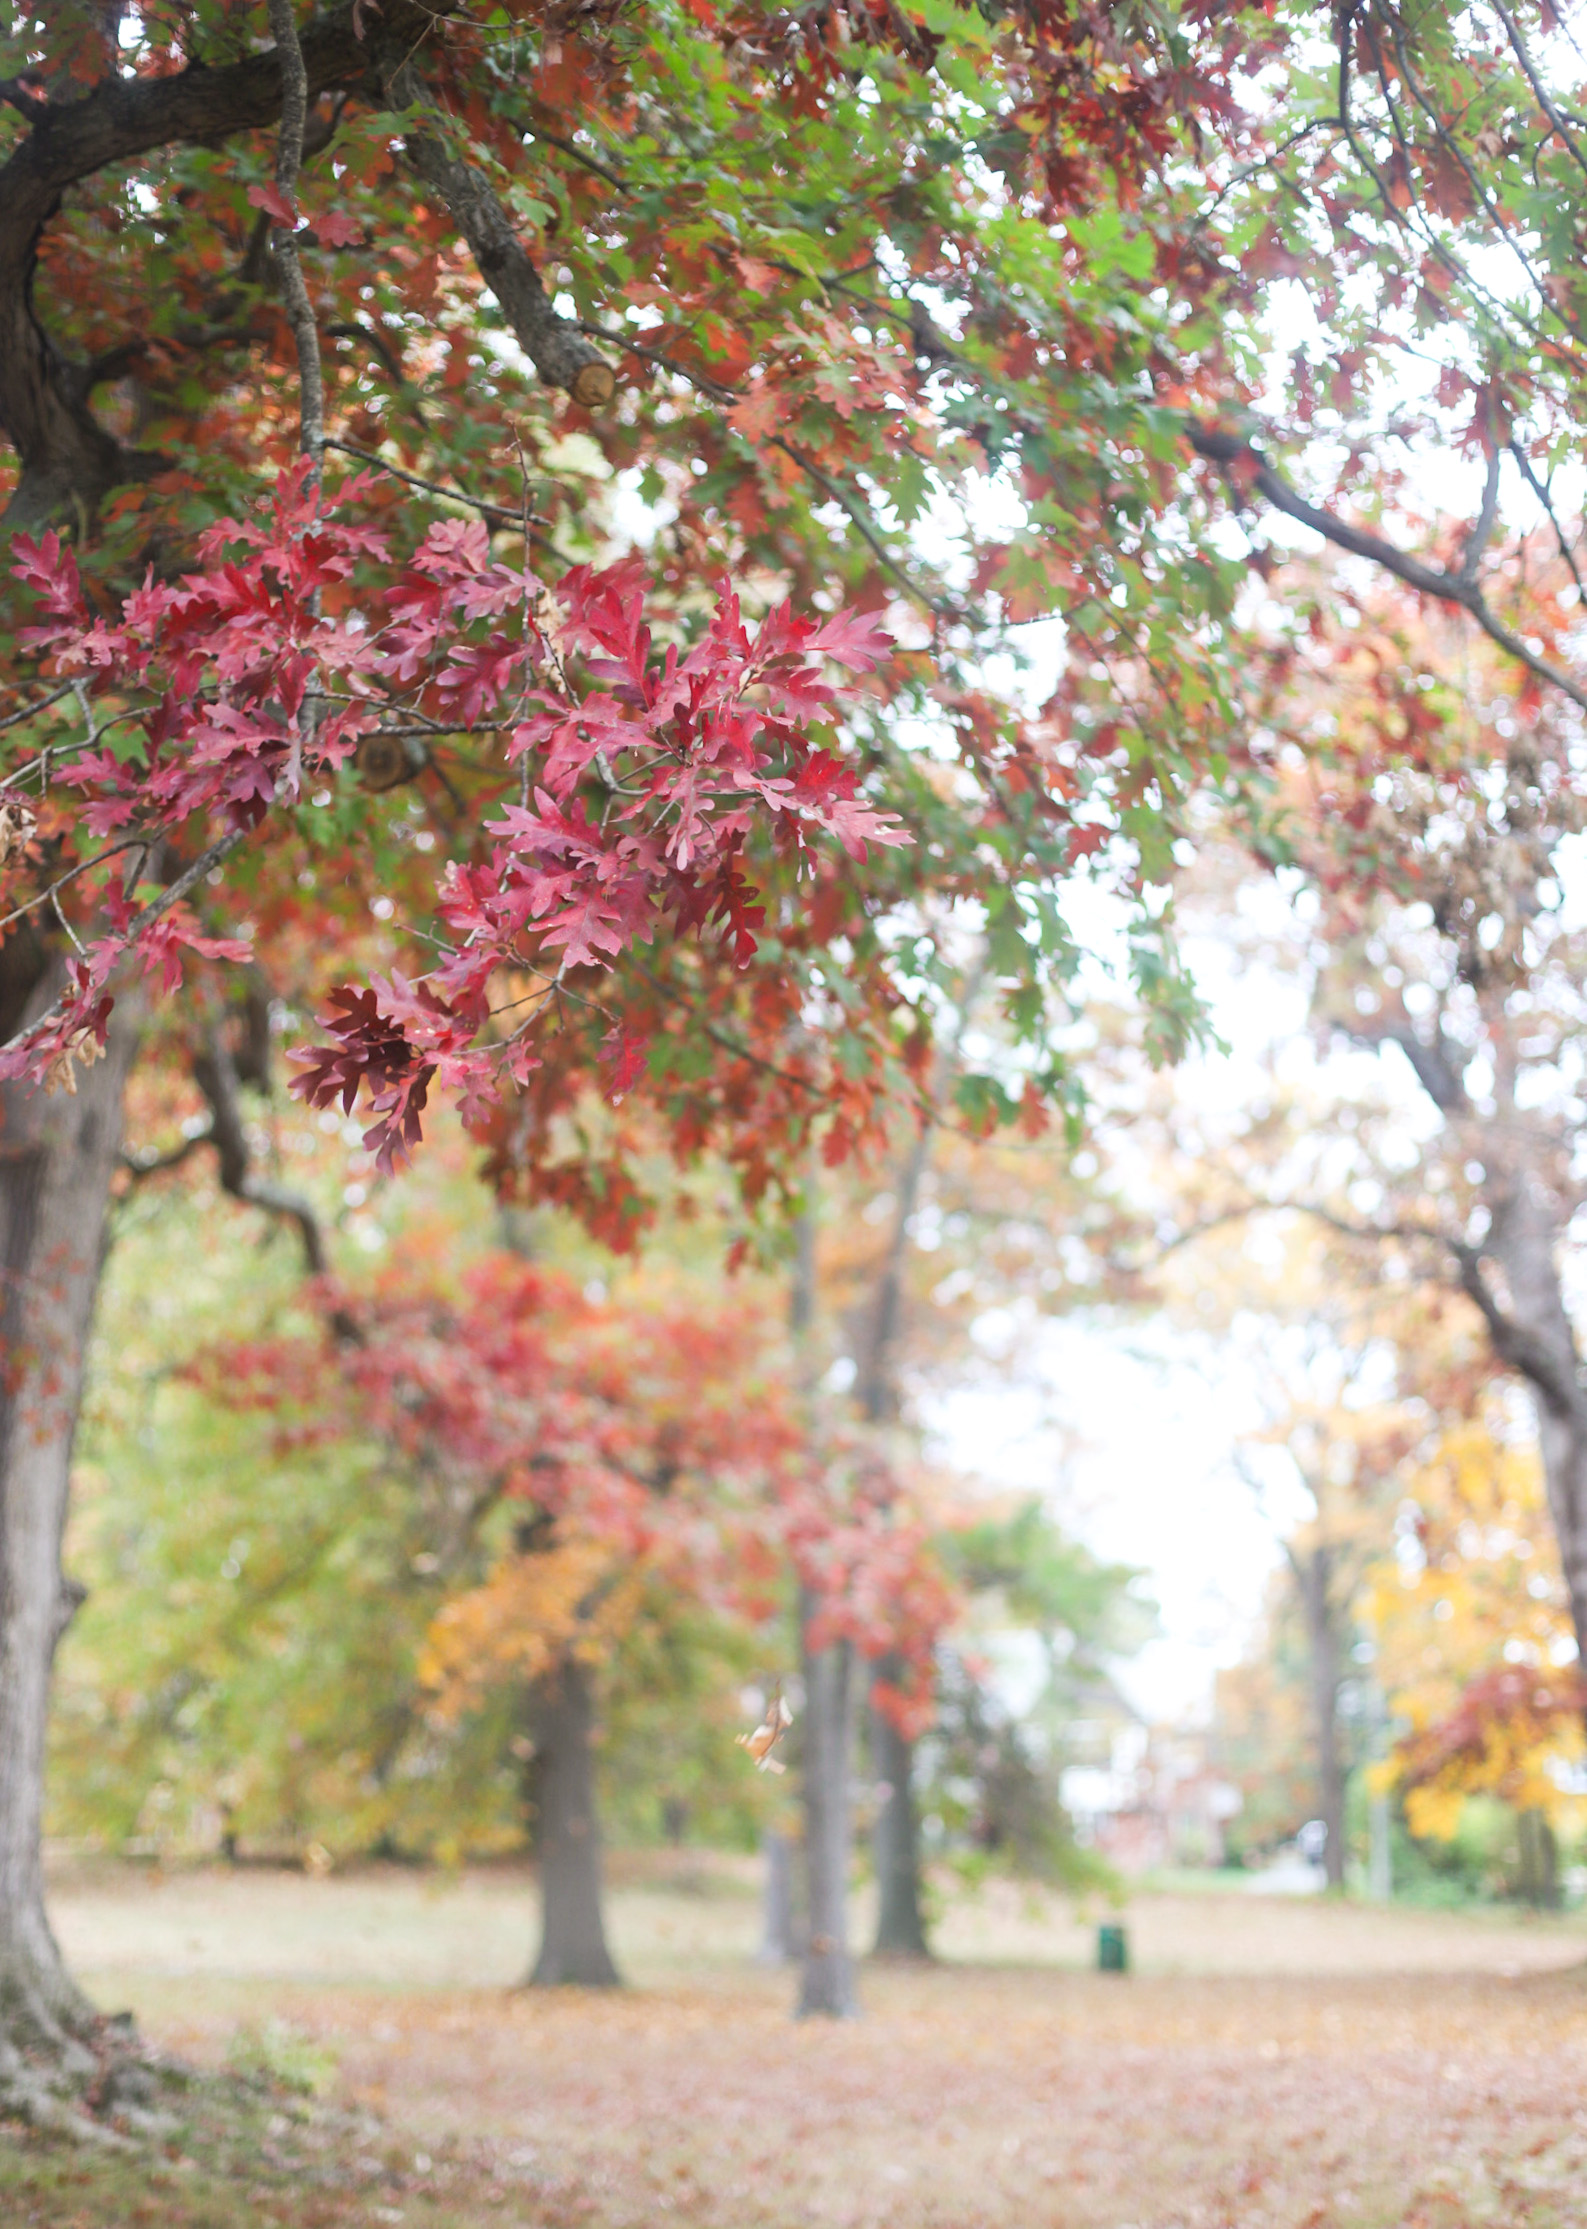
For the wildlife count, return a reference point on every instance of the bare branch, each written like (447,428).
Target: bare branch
(938,606)
(15,719)
(1540,490)
(1516,1346)
(1438,1066)
(555,139)
(1545,101)
(497,512)
(215,1073)
(1233,449)
(139,1166)
(222,848)
(1513,1343)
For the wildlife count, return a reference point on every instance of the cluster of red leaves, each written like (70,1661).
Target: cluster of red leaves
(1515,1705)
(667,1431)
(647,779)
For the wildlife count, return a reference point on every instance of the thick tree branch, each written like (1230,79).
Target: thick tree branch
(69,461)
(1557,1384)
(553,343)
(294,287)
(1251,470)
(1438,1066)
(215,1072)
(139,1166)
(1518,1347)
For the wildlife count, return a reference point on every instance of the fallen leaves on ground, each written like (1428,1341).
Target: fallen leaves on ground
(970,2097)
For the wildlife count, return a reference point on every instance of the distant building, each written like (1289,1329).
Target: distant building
(1157,1802)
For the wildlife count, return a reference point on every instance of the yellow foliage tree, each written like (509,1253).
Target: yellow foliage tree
(1475,1647)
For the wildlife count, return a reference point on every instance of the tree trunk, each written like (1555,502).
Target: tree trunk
(58,1154)
(1314,1571)
(900,1930)
(783,1929)
(1538,1881)
(828,1980)
(1535,1336)
(573,1931)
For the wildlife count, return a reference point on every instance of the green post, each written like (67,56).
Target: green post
(1113,1956)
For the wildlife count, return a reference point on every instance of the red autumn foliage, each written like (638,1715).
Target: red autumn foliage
(665,1429)
(234,690)
(1518,1702)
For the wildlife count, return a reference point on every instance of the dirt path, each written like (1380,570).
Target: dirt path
(1299,2066)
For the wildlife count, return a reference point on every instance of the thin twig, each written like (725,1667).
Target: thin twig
(1484,526)
(48,897)
(1544,100)
(1540,490)
(939,607)
(554,139)
(221,849)
(15,719)
(496,511)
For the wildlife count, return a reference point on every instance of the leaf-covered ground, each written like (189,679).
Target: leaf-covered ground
(1268,2065)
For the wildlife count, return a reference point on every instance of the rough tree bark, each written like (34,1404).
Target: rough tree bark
(58,1155)
(567,1834)
(827,1984)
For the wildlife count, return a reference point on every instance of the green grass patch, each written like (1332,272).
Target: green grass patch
(252,2154)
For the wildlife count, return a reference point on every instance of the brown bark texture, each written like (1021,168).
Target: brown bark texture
(58,1154)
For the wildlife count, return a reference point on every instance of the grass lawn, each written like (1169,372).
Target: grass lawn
(1267,2065)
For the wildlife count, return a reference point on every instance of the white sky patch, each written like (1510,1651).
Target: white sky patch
(1127,1436)
(1129,1428)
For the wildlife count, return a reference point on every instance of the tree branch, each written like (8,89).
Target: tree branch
(1471,557)
(1540,490)
(1438,1066)
(294,287)
(498,513)
(1512,1342)
(1544,100)
(1250,469)
(222,848)
(1517,1347)
(553,343)
(215,1072)
(70,461)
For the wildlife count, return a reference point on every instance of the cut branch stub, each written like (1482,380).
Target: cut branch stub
(594,384)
